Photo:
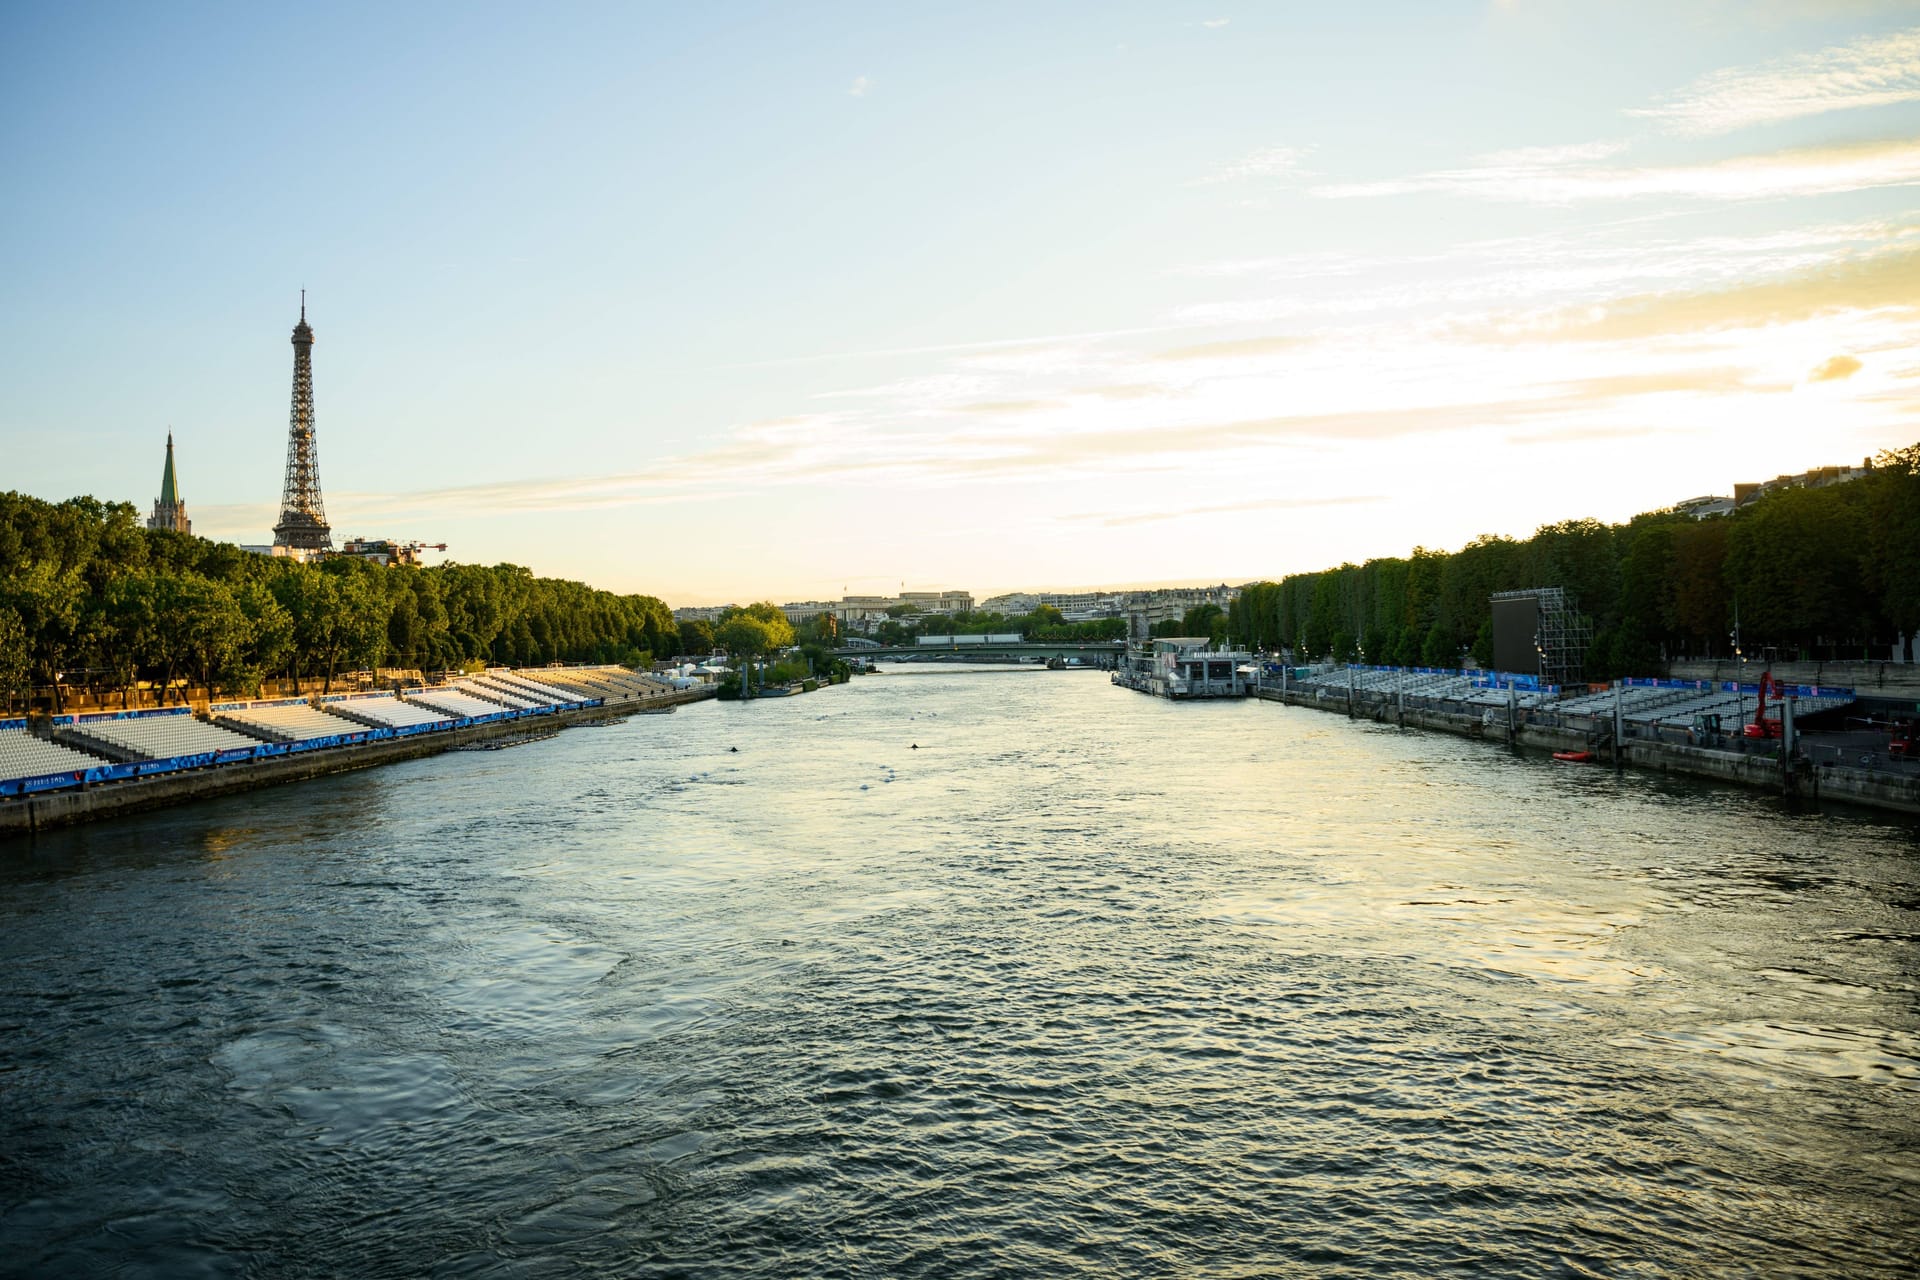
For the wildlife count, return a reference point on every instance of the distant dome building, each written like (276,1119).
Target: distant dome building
(169,512)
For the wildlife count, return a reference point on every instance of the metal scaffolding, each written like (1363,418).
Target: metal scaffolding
(1561,634)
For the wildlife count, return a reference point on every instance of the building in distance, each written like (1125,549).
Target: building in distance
(1144,608)
(701,612)
(170,509)
(1749,492)
(387,551)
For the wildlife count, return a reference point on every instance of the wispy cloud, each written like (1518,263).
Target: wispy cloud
(1569,175)
(1874,71)
(1237,348)
(860,87)
(1837,369)
(1659,346)
(1215,23)
(1226,508)
(1563,272)
(1886,281)
(1268,162)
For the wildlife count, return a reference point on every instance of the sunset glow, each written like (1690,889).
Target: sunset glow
(721,307)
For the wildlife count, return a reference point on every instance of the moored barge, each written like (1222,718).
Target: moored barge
(1187,667)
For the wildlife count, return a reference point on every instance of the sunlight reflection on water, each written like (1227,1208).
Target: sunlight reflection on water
(952,975)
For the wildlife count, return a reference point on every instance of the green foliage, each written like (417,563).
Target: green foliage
(786,671)
(1204,620)
(696,638)
(1829,573)
(95,593)
(14,666)
(753,631)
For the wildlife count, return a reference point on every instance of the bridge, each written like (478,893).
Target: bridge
(1101,652)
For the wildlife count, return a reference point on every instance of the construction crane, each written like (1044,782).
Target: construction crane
(1761,726)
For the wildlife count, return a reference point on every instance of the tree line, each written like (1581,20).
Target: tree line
(89,596)
(1828,573)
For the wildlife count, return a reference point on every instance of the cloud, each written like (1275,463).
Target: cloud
(1569,175)
(1010,406)
(1268,162)
(860,86)
(949,348)
(1714,381)
(1874,71)
(1236,349)
(1837,369)
(1229,508)
(1215,23)
(1869,283)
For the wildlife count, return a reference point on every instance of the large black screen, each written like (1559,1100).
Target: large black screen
(1514,625)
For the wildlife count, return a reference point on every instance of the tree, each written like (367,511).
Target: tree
(696,637)
(1200,620)
(744,636)
(763,629)
(1697,591)
(1894,539)
(1483,645)
(14,663)
(49,601)
(268,638)
(207,626)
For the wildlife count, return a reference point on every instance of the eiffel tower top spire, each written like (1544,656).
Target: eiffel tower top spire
(303,514)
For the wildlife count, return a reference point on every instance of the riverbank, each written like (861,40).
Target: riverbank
(1898,681)
(1869,788)
(25,815)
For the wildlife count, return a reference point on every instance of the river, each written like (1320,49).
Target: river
(965,974)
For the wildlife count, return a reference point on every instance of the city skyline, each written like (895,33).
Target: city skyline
(765,305)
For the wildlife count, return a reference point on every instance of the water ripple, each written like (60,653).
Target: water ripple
(1087,985)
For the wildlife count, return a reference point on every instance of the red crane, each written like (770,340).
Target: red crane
(1761,726)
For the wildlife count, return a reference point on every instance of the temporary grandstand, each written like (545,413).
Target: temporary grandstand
(168,734)
(1670,710)
(386,711)
(506,696)
(458,703)
(28,763)
(291,721)
(515,681)
(109,746)
(1466,691)
(608,682)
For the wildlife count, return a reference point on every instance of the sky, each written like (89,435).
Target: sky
(746,301)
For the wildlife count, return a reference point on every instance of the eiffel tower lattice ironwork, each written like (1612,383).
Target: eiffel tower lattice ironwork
(303,516)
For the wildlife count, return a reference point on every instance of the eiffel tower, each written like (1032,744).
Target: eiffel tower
(303,516)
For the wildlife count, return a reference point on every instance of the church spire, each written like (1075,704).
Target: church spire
(169,512)
(169,492)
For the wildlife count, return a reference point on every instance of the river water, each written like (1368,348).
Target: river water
(955,974)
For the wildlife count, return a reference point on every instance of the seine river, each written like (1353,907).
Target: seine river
(946,974)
